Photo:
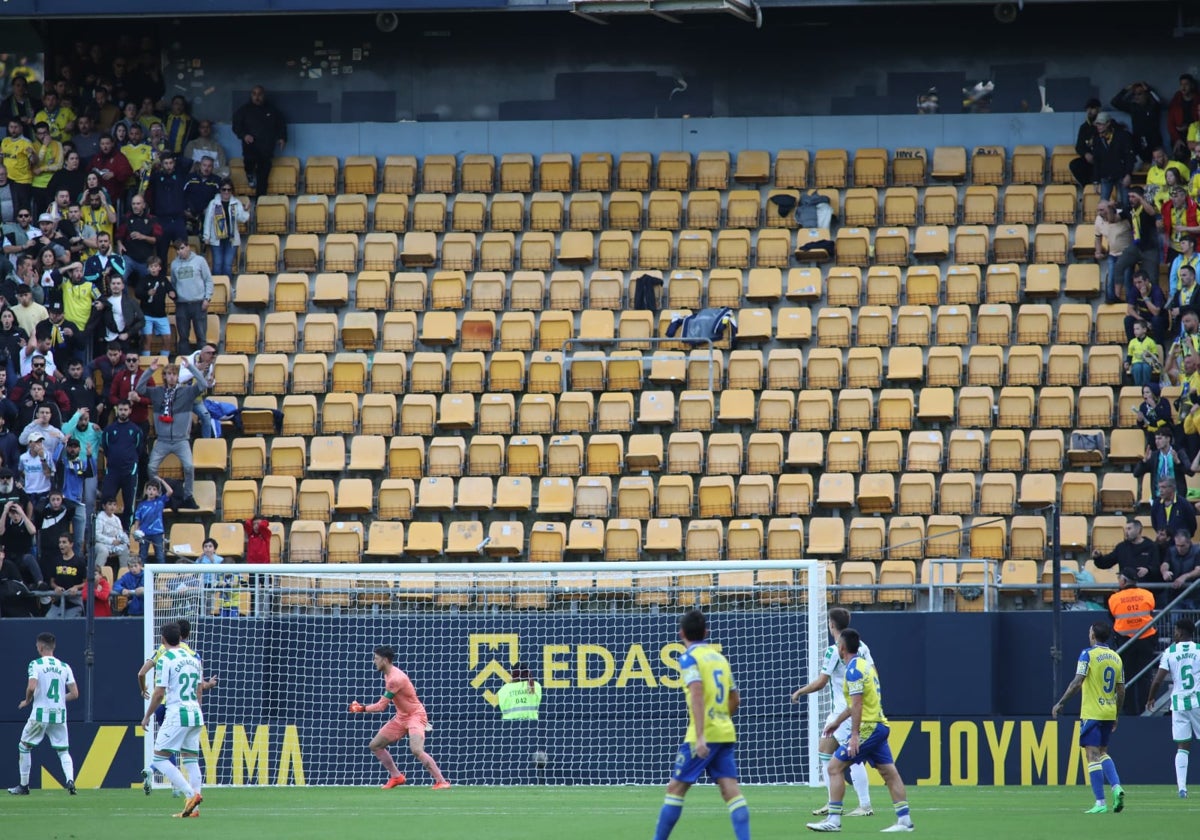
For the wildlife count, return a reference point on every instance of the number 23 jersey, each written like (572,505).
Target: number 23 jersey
(179,673)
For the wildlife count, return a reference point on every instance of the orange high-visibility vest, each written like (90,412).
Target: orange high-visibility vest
(1132,609)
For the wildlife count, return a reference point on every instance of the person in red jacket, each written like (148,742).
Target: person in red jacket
(258,540)
(102,593)
(112,167)
(1183,110)
(123,389)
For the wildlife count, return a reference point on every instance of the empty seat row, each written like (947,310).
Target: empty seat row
(570,289)
(518,172)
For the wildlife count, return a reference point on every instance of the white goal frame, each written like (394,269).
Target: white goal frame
(810,588)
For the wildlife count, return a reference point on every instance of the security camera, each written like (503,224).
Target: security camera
(389,21)
(1005,12)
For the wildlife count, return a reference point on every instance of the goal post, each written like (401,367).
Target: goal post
(292,644)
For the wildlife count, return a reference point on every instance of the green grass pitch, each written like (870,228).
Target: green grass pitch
(577,813)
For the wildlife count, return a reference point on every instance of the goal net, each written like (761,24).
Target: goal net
(292,647)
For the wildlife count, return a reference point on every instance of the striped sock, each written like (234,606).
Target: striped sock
(668,816)
(1096,774)
(739,815)
(1109,768)
(901,809)
(835,813)
(824,758)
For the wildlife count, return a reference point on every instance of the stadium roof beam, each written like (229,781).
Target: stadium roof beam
(668,10)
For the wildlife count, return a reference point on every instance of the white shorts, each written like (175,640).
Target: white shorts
(35,731)
(842,735)
(173,738)
(1185,725)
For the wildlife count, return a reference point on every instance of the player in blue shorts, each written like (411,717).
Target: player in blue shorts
(1101,677)
(868,742)
(708,746)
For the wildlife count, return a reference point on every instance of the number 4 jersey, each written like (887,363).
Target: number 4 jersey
(1182,661)
(49,698)
(179,673)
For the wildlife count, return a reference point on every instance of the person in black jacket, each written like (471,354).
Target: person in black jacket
(1164,461)
(123,443)
(1169,513)
(1112,151)
(1144,108)
(261,128)
(1134,553)
(170,206)
(1082,167)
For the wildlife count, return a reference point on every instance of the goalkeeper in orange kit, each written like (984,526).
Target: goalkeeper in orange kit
(410,719)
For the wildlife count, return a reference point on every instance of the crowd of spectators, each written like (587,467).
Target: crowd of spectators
(105,184)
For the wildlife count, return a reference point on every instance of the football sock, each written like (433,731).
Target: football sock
(68,766)
(668,816)
(389,764)
(835,813)
(24,763)
(901,809)
(432,767)
(1181,765)
(823,758)
(739,815)
(192,764)
(1096,775)
(1110,771)
(862,785)
(164,766)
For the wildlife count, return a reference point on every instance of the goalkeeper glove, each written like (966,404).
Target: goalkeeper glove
(357,707)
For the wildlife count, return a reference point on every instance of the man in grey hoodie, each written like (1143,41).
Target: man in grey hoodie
(171,409)
(193,291)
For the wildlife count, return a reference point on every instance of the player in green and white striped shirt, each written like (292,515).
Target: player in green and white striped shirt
(1182,661)
(178,684)
(51,684)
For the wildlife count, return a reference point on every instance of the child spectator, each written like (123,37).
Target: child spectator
(258,540)
(1142,355)
(148,519)
(111,539)
(131,586)
(153,291)
(226,586)
(101,592)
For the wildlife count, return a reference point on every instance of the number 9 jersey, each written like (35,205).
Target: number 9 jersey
(702,662)
(1102,672)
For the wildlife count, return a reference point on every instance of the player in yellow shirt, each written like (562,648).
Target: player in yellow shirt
(868,742)
(708,746)
(1101,677)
